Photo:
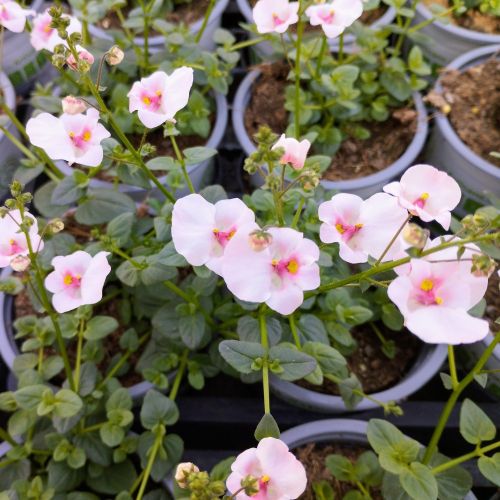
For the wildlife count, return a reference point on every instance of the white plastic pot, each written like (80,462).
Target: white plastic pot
(201,174)
(207,39)
(265,49)
(477,176)
(448,41)
(365,186)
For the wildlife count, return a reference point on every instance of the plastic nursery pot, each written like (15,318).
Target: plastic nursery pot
(446,150)
(448,41)
(207,39)
(9,153)
(21,61)
(201,174)
(9,350)
(365,186)
(332,430)
(265,49)
(429,361)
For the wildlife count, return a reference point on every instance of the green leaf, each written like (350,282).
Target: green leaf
(416,62)
(30,397)
(198,154)
(113,479)
(295,364)
(396,458)
(63,478)
(340,467)
(99,327)
(128,274)
(102,206)
(192,329)
(453,483)
(382,434)
(241,355)
(112,435)
(419,482)
(120,228)
(323,490)
(490,468)
(475,425)
(267,427)
(67,404)
(221,471)
(157,409)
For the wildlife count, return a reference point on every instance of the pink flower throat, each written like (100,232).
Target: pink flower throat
(71,280)
(14,247)
(347,230)
(152,99)
(420,202)
(223,237)
(427,292)
(286,266)
(80,140)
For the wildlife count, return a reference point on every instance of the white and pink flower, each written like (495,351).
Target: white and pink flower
(13,16)
(202,230)
(77,280)
(335,17)
(427,193)
(73,105)
(362,228)
(13,242)
(280,476)
(74,138)
(277,274)
(295,151)
(83,55)
(434,298)
(45,37)
(159,97)
(275,15)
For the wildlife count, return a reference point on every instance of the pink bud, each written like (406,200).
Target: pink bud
(20,263)
(83,55)
(73,106)
(114,56)
(260,240)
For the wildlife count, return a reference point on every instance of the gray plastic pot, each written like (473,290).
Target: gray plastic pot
(446,150)
(9,349)
(206,42)
(265,49)
(20,60)
(448,41)
(201,174)
(365,186)
(333,430)
(427,364)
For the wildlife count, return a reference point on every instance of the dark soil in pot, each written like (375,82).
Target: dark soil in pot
(474,97)
(313,457)
(375,370)
(186,14)
(356,158)
(493,301)
(472,19)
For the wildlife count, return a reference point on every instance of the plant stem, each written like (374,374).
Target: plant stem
(298,53)
(450,404)
(79,355)
(341,48)
(322,50)
(208,12)
(393,240)
(293,329)
(285,51)
(247,43)
(182,161)
(265,365)
(453,367)
(298,213)
(149,466)
(5,436)
(178,376)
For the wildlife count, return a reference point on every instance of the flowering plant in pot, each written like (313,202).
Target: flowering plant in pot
(344,103)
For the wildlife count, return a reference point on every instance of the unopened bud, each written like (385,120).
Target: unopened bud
(259,240)
(20,263)
(251,485)
(16,188)
(114,56)
(482,265)
(55,226)
(73,106)
(415,236)
(85,60)
(182,473)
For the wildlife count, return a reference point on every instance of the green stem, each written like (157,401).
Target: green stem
(393,240)
(5,436)
(341,48)
(78,361)
(92,428)
(298,54)
(450,404)
(265,365)
(179,375)
(293,329)
(147,472)
(406,27)
(247,43)
(453,366)
(208,12)
(322,50)
(182,161)
(298,213)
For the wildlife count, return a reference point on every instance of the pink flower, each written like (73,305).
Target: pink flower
(277,274)
(295,151)
(73,106)
(434,299)
(83,55)
(45,37)
(279,474)
(362,228)
(201,230)
(335,17)
(13,242)
(13,16)
(159,97)
(74,138)
(77,280)
(275,15)
(428,193)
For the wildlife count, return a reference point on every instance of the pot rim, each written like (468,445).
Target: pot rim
(240,104)
(219,8)
(214,140)
(426,365)
(469,59)
(476,36)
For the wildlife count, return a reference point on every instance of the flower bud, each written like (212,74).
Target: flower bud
(55,226)
(16,188)
(182,473)
(414,235)
(251,485)
(72,105)
(259,240)
(482,265)
(20,263)
(114,56)
(85,60)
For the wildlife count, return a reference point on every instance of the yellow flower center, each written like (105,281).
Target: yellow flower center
(340,228)
(439,301)
(293,266)
(427,285)
(87,136)
(68,279)
(265,478)
(424,196)
(12,242)
(72,134)
(146,100)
